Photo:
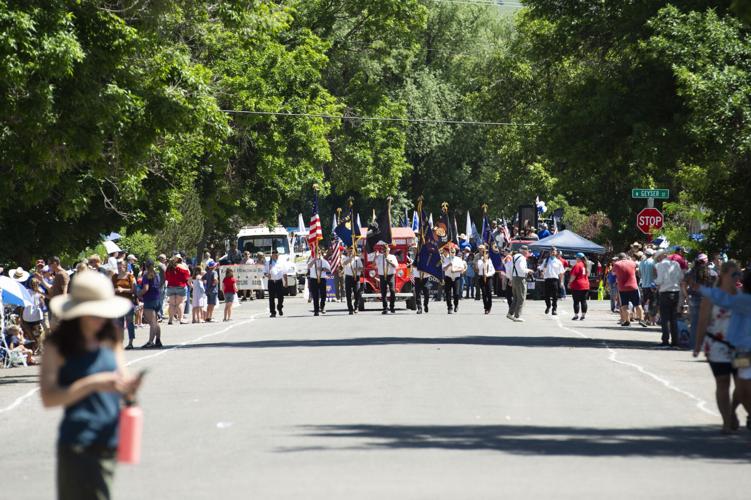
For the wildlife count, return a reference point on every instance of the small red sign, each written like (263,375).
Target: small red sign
(649,219)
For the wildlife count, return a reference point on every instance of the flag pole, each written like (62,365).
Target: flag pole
(317,249)
(421,239)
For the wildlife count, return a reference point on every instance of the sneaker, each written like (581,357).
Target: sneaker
(555,313)
(147,345)
(384,311)
(627,323)
(519,320)
(315,314)
(158,344)
(576,317)
(323,312)
(393,311)
(581,318)
(419,311)
(510,316)
(129,346)
(547,310)
(643,323)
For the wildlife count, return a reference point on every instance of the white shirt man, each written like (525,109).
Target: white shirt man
(451,265)
(669,275)
(518,267)
(275,269)
(485,267)
(552,268)
(386,264)
(318,267)
(352,265)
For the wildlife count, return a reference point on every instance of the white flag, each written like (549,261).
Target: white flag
(334,223)
(430,220)
(301,224)
(468,229)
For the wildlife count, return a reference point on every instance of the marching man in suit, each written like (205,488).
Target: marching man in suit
(387,266)
(353,267)
(485,275)
(318,270)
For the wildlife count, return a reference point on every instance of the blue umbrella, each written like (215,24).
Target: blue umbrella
(113,237)
(14,292)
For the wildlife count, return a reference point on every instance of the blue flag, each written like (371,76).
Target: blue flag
(348,228)
(415,222)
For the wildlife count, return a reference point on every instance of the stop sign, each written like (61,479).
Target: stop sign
(648,219)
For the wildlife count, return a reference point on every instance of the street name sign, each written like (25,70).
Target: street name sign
(658,194)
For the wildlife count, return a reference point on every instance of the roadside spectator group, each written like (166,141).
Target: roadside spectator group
(183,286)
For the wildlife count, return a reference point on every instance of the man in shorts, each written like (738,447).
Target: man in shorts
(628,289)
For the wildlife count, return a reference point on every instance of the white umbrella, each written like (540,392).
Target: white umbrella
(14,292)
(111,247)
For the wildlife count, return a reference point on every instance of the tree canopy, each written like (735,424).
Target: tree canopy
(165,114)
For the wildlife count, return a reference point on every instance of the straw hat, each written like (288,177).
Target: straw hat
(91,295)
(19,274)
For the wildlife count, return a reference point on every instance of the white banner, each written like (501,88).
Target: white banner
(249,276)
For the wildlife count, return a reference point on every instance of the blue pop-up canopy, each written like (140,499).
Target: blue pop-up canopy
(567,240)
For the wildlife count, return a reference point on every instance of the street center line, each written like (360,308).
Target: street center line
(24,397)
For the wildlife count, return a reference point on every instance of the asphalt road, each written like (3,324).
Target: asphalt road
(466,406)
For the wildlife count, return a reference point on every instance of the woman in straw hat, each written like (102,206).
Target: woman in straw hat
(83,370)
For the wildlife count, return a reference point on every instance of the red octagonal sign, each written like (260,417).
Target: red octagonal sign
(649,219)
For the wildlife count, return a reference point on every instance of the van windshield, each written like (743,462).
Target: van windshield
(264,244)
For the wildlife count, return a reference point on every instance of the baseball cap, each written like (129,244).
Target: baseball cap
(702,257)
(580,255)
(210,263)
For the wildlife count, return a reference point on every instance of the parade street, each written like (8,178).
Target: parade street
(406,406)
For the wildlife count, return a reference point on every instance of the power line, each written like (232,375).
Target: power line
(489,3)
(377,118)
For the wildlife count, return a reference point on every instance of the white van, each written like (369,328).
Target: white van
(263,239)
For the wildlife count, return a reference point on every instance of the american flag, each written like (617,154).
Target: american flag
(504,230)
(336,254)
(315,233)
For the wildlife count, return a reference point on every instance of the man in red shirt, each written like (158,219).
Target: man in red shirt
(628,289)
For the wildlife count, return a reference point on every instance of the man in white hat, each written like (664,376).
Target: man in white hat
(18,274)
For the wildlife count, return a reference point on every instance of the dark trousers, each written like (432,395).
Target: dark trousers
(84,475)
(669,317)
(452,290)
(580,299)
(352,287)
(390,284)
(421,289)
(551,292)
(487,292)
(276,291)
(318,293)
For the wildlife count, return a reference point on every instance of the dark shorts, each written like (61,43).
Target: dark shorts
(152,305)
(631,296)
(212,298)
(722,369)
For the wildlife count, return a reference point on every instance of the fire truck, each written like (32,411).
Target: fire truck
(402,239)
